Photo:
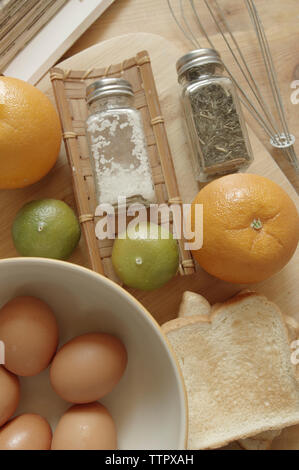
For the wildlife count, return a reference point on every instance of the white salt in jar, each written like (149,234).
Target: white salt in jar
(117,146)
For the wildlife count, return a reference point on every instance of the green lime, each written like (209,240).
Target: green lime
(144,260)
(47,228)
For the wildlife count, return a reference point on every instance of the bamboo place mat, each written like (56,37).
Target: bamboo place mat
(70,90)
(20,21)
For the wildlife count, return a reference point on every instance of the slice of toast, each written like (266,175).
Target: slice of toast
(262,441)
(194,304)
(238,373)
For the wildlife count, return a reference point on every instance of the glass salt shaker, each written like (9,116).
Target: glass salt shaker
(117,145)
(215,122)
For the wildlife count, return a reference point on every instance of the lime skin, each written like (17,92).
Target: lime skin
(143,262)
(46,228)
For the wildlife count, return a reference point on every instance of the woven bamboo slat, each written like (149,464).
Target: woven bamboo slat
(22,25)
(69,89)
(14,13)
(12,10)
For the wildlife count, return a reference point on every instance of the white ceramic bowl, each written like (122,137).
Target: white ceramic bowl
(149,403)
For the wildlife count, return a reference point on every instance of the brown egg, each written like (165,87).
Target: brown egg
(9,394)
(26,432)
(88,367)
(85,427)
(29,331)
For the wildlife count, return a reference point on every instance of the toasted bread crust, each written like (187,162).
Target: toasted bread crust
(181,322)
(255,444)
(193,301)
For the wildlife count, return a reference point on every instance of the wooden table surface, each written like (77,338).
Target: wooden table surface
(280,18)
(153,16)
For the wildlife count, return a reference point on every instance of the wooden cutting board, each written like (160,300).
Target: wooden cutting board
(163,303)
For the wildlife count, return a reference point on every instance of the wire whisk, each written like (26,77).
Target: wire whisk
(276,128)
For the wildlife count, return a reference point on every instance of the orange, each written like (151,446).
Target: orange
(30,134)
(250,228)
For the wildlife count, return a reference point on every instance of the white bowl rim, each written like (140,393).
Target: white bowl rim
(168,348)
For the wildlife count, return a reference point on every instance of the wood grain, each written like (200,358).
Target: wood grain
(163,304)
(50,43)
(70,93)
(15,37)
(129,16)
(281,24)
(280,19)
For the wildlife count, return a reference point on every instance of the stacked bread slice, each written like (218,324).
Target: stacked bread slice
(236,362)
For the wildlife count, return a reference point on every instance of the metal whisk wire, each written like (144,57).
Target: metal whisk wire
(258,108)
(195,43)
(245,71)
(244,96)
(268,61)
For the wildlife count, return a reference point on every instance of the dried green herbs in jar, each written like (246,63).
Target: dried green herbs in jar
(218,134)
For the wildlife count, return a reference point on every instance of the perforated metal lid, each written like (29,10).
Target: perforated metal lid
(108,86)
(196,58)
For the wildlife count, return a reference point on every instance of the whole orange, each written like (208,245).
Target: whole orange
(30,134)
(250,228)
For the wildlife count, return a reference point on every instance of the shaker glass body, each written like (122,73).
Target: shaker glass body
(118,151)
(217,131)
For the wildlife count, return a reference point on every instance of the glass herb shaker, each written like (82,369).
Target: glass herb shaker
(117,146)
(216,127)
